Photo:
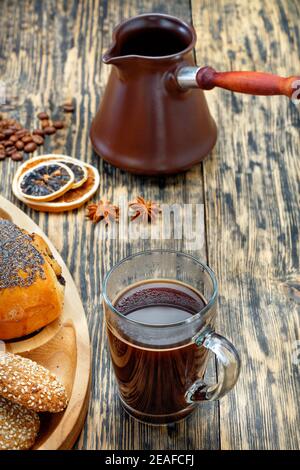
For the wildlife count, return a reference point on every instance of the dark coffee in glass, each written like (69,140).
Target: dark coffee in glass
(153,325)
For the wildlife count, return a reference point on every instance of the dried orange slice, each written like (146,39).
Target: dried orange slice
(79,170)
(46,181)
(72,199)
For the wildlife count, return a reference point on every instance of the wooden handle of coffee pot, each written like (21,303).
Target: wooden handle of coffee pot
(252,83)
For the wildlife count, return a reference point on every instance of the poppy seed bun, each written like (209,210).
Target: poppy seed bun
(31,285)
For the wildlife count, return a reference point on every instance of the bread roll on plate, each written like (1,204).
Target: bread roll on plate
(18,426)
(31,284)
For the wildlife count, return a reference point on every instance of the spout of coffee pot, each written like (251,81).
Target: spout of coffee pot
(252,83)
(112,55)
(110,58)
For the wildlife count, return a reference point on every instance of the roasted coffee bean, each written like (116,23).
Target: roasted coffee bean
(14,138)
(21,133)
(68,108)
(10,150)
(38,132)
(2,147)
(4,123)
(38,139)
(58,124)
(8,132)
(17,156)
(50,130)
(19,145)
(7,143)
(27,138)
(45,123)
(43,115)
(30,147)
(2,156)
(2,136)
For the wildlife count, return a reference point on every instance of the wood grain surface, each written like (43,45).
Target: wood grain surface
(251,187)
(50,51)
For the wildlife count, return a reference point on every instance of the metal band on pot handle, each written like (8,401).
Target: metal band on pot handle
(249,82)
(229,359)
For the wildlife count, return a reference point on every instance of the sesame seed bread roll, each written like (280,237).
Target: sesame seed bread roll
(27,383)
(31,285)
(18,426)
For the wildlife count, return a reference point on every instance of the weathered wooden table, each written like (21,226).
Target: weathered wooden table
(50,51)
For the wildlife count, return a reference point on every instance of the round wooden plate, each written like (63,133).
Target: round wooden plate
(62,347)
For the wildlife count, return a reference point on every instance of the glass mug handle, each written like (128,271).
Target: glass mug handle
(229,359)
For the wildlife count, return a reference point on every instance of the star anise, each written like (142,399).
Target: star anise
(145,210)
(103,210)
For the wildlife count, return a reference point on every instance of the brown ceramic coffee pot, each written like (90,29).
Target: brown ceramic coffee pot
(151,120)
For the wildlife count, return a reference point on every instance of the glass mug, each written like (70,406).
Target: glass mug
(160,312)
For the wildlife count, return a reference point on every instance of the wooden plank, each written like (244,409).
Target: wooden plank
(50,52)
(114,429)
(252,208)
